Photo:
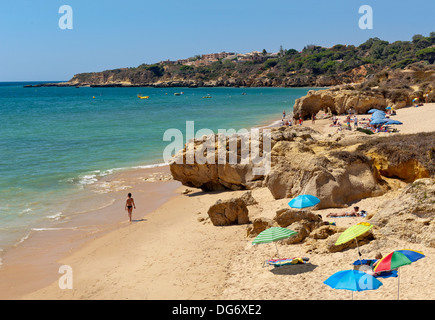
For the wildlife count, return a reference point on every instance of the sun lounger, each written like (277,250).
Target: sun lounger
(283,262)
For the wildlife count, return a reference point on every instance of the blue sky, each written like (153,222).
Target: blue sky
(110,34)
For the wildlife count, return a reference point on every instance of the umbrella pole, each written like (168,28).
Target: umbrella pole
(398,283)
(359,253)
(276,246)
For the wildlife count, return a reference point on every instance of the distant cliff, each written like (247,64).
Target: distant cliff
(314,66)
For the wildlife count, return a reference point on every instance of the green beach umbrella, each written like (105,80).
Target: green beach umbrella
(353,232)
(273,234)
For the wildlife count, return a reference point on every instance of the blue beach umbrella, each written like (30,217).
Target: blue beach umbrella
(378,121)
(379,112)
(387,108)
(378,116)
(353,280)
(393,122)
(373,110)
(304,201)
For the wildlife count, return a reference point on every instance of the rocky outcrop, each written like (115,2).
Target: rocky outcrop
(335,177)
(335,101)
(224,213)
(301,163)
(232,211)
(406,157)
(338,169)
(410,216)
(259,225)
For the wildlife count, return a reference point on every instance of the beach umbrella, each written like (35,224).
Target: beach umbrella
(393,122)
(304,201)
(352,233)
(378,121)
(387,108)
(398,259)
(273,234)
(373,110)
(378,116)
(352,280)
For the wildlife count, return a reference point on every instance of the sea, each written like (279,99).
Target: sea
(56,141)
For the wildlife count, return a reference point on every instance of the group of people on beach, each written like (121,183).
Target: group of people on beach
(349,119)
(299,119)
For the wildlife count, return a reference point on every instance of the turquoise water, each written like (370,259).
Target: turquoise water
(54,141)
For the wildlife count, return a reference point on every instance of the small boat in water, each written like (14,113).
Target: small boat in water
(142,97)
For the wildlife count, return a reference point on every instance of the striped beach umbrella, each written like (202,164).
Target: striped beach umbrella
(353,232)
(398,259)
(273,234)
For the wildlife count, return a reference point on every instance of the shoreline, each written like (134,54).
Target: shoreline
(23,271)
(31,264)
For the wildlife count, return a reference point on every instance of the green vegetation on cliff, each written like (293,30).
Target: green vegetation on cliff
(313,66)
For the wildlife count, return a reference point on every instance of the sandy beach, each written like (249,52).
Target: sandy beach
(173,252)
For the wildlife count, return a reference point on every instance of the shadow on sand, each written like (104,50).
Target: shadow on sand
(293,269)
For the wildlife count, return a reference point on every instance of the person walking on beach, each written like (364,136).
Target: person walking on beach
(129,205)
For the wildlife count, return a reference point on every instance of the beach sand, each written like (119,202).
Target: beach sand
(175,253)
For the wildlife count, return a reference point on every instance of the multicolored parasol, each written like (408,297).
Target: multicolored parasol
(398,259)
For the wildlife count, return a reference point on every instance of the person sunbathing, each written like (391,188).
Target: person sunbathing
(353,213)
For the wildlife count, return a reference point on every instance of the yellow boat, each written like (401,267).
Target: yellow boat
(143,97)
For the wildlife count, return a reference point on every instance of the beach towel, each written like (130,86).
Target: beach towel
(283,262)
(386,274)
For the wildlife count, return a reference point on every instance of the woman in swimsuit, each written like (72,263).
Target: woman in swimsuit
(353,213)
(129,205)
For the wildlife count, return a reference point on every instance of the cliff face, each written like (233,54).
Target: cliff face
(388,88)
(145,78)
(306,162)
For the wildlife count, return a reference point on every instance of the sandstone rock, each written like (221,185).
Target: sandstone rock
(324,232)
(302,229)
(259,225)
(286,217)
(410,216)
(302,162)
(224,213)
(249,199)
(337,102)
(335,177)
